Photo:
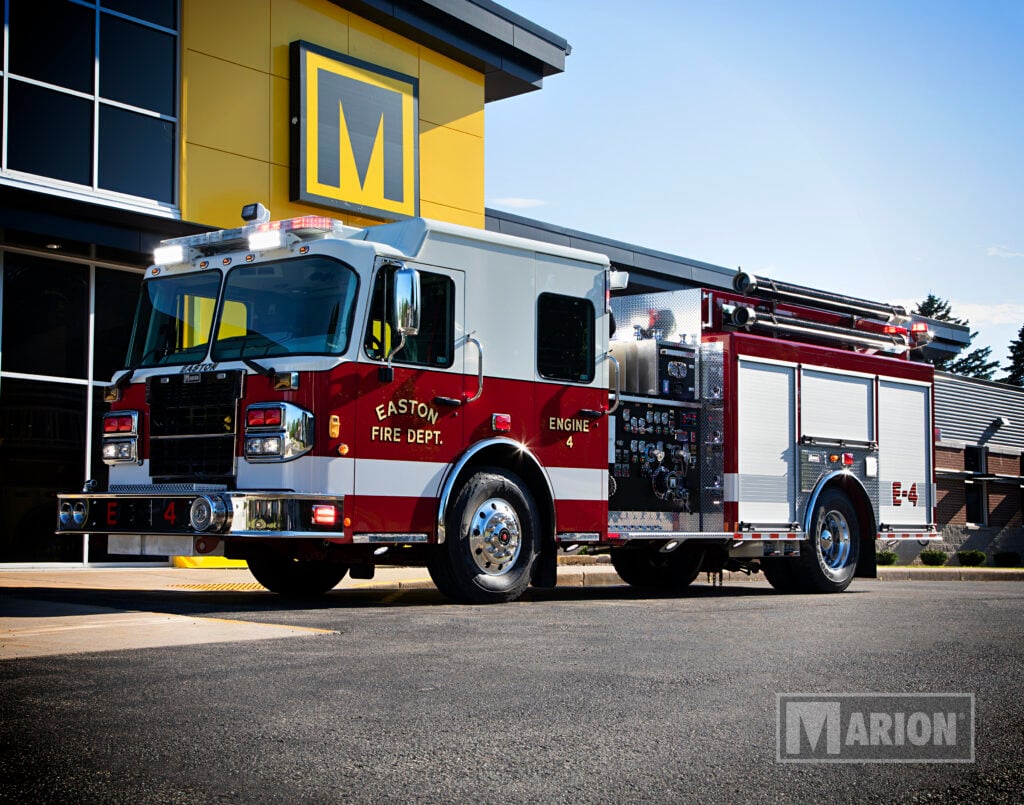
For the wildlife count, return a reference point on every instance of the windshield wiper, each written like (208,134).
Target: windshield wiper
(126,378)
(259,368)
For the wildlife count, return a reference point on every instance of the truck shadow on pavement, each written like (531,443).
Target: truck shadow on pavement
(261,605)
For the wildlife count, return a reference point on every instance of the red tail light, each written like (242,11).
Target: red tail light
(325,515)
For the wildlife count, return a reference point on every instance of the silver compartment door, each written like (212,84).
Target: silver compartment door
(837,407)
(766,488)
(904,453)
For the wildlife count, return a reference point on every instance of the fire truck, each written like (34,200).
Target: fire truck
(318,400)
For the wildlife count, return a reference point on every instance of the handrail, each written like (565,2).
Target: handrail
(480,369)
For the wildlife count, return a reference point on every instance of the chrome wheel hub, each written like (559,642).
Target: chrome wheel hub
(834,545)
(495,537)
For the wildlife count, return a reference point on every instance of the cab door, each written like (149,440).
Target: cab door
(409,421)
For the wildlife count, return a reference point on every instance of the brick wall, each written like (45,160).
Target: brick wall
(1004,506)
(949,458)
(1003,465)
(951,508)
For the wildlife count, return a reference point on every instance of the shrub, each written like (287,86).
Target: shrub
(971,558)
(934,557)
(887,557)
(1006,559)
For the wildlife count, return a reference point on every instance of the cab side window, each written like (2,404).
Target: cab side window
(565,338)
(434,345)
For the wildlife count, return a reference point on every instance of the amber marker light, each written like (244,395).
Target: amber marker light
(342,449)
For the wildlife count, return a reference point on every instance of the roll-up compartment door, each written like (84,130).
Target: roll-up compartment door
(766,488)
(904,453)
(836,406)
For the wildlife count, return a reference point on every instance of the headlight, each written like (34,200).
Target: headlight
(277,432)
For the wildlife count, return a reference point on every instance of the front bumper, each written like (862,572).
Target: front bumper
(176,510)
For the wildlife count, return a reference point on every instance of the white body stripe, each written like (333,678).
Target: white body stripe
(374,477)
(571,483)
(312,474)
(414,479)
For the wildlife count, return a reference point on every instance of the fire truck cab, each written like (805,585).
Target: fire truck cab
(318,399)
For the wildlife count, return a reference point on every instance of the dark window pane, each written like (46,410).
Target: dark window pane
(136,154)
(974,493)
(46,313)
(162,12)
(42,451)
(974,458)
(565,338)
(116,295)
(137,65)
(52,41)
(49,134)
(434,344)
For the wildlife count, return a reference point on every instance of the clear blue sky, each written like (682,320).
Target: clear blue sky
(871,148)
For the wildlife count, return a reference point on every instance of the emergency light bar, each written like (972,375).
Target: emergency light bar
(260,237)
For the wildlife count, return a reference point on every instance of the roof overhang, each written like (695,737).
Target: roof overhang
(514,54)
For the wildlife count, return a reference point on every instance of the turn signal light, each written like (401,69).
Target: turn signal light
(119,423)
(263,417)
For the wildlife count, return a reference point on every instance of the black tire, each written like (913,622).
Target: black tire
(296,578)
(828,558)
(647,568)
(491,542)
(781,574)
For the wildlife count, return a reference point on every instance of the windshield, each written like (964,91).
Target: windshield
(302,306)
(174,320)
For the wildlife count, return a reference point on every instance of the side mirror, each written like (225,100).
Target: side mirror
(407,301)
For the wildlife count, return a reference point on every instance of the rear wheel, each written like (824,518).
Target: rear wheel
(647,568)
(828,560)
(296,578)
(492,534)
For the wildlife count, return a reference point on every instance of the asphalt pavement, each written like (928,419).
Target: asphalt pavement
(580,694)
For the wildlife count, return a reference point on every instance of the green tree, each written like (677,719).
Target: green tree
(975,363)
(1015,375)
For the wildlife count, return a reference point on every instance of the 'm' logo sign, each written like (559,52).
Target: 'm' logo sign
(354,134)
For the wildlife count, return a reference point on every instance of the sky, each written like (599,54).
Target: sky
(865,147)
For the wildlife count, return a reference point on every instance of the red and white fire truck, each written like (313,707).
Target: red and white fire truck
(318,400)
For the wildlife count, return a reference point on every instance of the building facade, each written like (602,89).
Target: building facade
(129,121)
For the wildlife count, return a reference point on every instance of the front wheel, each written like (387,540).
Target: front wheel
(491,544)
(828,560)
(296,578)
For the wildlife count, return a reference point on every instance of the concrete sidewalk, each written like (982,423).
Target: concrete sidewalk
(572,572)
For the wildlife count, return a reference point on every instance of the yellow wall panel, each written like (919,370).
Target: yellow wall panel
(451,94)
(317,21)
(451,168)
(281,206)
(232,120)
(218,184)
(280,120)
(452,215)
(234,30)
(380,46)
